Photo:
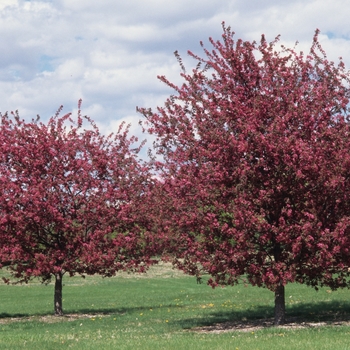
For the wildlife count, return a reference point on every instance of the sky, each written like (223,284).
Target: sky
(109,52)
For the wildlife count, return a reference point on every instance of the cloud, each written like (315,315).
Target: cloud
(109,53)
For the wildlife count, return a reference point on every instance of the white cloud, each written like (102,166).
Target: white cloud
(109,52)
(7,3)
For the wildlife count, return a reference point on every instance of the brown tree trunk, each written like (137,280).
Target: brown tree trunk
(280,306)
(58,294)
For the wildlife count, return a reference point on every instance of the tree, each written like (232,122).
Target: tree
(253,150)
(68,198)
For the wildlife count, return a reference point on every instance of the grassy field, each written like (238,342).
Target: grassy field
(167,310)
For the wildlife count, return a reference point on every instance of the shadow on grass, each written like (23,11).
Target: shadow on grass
(67,313)
(7,315)
(326,312)
(329,312)
(80,312)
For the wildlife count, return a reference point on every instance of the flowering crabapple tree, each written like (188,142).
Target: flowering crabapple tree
(67,200)
(253,150)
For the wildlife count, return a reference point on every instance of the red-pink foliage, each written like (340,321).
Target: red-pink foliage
(254,168)
(67,198)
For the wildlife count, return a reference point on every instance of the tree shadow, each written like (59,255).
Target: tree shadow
(297,316)
(76,313)
(261,316)
(16,315)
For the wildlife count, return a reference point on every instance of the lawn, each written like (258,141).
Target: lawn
(168,310)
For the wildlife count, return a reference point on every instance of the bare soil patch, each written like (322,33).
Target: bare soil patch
(254,325)
(50,318)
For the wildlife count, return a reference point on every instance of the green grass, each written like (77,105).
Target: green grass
(165,310)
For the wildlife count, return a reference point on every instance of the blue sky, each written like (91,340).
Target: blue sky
(109,52)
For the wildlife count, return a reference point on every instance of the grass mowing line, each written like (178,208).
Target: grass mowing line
(171,312)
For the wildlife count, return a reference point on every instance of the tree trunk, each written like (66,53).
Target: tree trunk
(280,307)
(58,294)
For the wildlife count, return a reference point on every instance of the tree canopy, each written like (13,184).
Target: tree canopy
(253,161)
(67,199)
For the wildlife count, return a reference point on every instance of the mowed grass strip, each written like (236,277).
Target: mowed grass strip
(168,310)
